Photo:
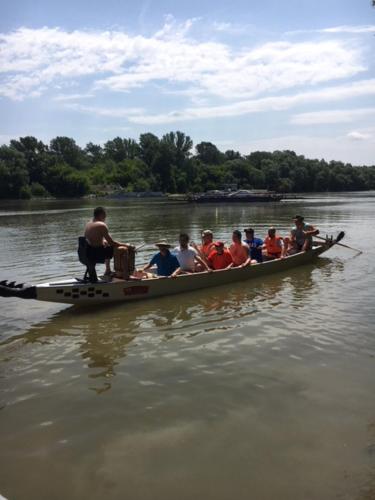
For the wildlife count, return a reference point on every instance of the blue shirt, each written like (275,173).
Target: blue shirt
(166,265)
(255,253)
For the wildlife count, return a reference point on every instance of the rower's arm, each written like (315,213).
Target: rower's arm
(176,273)
(312,232)
(109,238)
(246,263)
(112,242)
(199,251)
(203,262)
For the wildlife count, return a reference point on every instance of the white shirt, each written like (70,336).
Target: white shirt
(185,257)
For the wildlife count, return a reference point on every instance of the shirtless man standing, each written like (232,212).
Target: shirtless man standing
(100,244)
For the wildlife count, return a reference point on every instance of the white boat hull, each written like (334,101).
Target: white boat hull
(77,292)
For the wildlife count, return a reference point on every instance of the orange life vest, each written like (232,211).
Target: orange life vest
(273,245)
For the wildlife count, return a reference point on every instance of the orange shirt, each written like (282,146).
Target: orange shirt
(239,252)
(220,261)
(207,249)
(273,245)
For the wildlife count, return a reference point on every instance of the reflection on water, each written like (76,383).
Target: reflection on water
(104,336)
(207,394)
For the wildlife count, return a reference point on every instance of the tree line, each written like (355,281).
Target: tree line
(28,167)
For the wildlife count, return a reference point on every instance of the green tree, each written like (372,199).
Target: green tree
(232,155)
(209,154)
(93,152)
(36,155)
(65,150)
(149,146)
(121,149)
(66,182)
(180,146)
(14,177)
(271,174)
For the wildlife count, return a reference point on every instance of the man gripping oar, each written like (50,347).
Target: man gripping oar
(101,247)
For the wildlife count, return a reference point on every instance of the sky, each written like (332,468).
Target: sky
(246,75)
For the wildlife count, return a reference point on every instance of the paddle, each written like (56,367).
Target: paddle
(139,247)
(339,238)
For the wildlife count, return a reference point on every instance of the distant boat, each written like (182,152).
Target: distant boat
(240,196)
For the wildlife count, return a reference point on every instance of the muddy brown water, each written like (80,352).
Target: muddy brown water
(258,390)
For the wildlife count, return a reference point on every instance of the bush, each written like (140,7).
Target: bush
(38,190)
(25,193)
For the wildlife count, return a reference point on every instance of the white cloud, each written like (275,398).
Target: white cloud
(369,28)
(220,72)
(331,116)
(222,26)
(358,136)
(233,28)
(111,112)
(347,29)
(279,103)
(72,97)
(34,60)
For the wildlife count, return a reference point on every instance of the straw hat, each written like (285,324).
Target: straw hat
(163,243)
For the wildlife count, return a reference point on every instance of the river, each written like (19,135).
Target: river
(260,390)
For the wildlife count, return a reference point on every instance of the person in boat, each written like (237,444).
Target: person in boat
(188,258)
(100,244)
(273,245)
(255,244)
(301,235)
(166,263)
(239,250)
(207,245)
(220,257)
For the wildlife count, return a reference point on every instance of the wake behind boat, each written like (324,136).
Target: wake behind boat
(79,292)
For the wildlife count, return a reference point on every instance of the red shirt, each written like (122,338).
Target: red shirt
(220,261)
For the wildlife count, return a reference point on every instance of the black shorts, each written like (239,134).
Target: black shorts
(99,254)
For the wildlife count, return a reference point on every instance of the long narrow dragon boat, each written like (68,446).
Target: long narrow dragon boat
(79,292)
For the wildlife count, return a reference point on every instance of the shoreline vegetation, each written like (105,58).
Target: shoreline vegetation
(31,169)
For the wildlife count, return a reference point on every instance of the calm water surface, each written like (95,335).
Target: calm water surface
(259,390)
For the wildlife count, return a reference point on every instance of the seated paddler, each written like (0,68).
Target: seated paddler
(188,258)
(301,235)
(220,257)
(166,263)
(207,245)
(273,245)
(101,247)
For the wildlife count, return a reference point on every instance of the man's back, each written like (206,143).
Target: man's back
(95,232)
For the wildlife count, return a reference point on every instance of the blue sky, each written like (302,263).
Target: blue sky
(246,75)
